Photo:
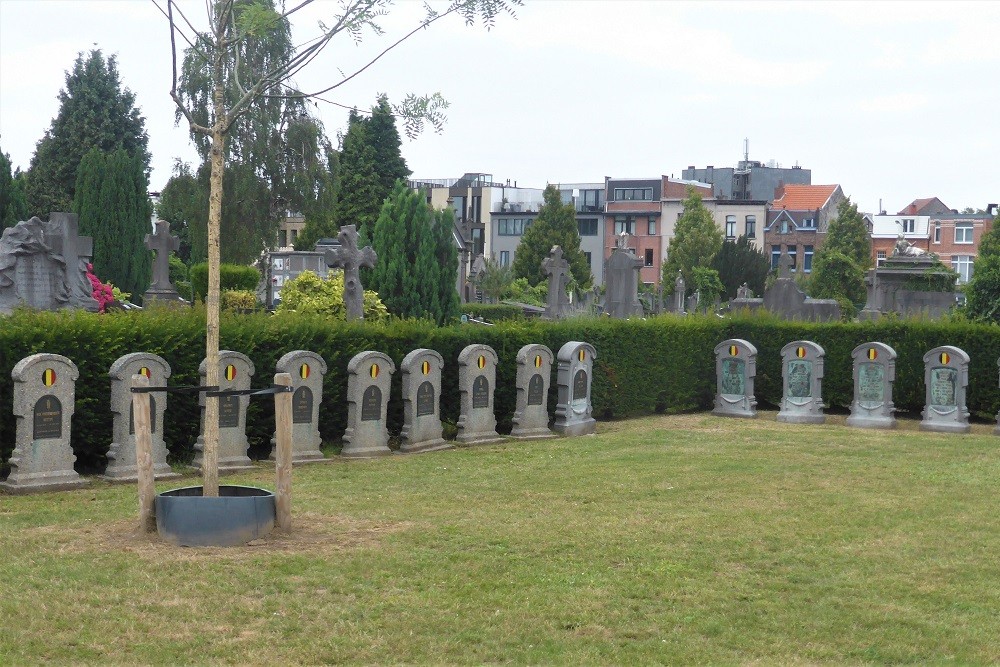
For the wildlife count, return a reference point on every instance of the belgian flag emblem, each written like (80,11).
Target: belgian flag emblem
(872,353)
(582,354)
(230,372)
(481,361)
(800,352)
(48,377)
(374,371)
(945,357)
(425,367)
(144,372)
(304,371)
(734,351)
(538,361)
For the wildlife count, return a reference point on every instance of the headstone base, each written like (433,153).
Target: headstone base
(301,457)
(164,297)
(944,427)
(584,427)
(42,482)
(228,465)
(426,446)
(478,438)
(872,422)
(362,452)
(532,433)
(130,474)
(801,419)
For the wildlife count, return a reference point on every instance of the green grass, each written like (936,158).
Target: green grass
(683,539)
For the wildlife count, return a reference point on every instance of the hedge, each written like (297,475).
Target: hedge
(231,277)
(643,366)
(492,312)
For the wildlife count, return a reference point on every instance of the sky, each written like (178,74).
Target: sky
(892,100)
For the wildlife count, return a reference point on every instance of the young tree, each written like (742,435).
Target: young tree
(739,262)
(494,280)
(232,27)
(696,241)
(837,276)
(94,112)
(983,291)
(182,204)
(113,207)
(13,207)
(555,225)
(848,234)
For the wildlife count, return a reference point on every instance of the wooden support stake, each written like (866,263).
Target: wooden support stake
(144,456)
(283,453)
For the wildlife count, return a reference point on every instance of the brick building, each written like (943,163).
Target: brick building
(798,220)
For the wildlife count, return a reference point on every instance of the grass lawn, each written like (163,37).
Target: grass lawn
(674,539)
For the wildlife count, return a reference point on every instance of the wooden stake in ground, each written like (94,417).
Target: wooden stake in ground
(144,454)
(283,453)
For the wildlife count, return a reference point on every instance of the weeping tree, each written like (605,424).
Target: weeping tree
(237,79)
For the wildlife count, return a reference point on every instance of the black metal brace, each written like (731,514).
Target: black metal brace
(276,389)
(187,389)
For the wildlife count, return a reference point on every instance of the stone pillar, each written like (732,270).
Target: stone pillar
(874,373)
(235,372)
(477,374)
(802,382)
(307,370)
(369,382)
(422,402)
(735,370)
(121,454)
(946,378)
(574,411)
(534,372)
(44,395)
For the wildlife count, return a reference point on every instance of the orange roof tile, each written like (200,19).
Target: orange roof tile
(804,197)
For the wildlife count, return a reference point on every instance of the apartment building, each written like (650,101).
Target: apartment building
(798,220)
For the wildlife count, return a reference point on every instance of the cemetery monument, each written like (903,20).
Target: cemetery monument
(235,372)
(735,370)
(874,374)
(946,379)
(162,243)
(557,269)
(621,299)
(802,381)
(369,381)
(348,257)
(574,375)
(307,370)
(422,429)
(531,412)
(477,375)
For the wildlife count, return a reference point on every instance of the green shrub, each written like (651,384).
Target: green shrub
(231,276)
(239,301)
(492,312)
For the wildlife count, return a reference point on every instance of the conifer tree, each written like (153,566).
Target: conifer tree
(385,141)
(555,225)
(696,241)
(13,207)
(739,262)
(359,194)
(447,258)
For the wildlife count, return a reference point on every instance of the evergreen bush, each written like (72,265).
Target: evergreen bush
(231,277)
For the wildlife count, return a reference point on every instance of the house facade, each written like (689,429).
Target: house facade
(633,206)
(797,222)
(749,180)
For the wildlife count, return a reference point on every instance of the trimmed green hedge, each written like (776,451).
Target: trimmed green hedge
(231,277)
(642,366)
(492,312)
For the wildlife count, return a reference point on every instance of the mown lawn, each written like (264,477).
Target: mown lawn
(680,539)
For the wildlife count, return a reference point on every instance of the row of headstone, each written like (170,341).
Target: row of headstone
(45,394)
(946,379)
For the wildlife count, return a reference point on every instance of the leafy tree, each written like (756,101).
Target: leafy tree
(182,203)
(555,225)
(494,280)
(522,292)
(848,234)
(307,293)
(707,284)
(113,207)
(696,241)
(13,207)
(837,276)
(739,262)
(94,112)
(983,291)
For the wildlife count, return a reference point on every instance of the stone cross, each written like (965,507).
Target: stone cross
(162,243)
(743,291)
(679,292)
(556,268)
(349,258)
(785,265)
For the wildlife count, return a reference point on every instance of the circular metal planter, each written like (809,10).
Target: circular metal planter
(239,515)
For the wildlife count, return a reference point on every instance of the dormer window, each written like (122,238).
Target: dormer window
(784,226)
(909,225)
(808,223)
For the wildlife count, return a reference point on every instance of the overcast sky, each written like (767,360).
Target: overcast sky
(894,101)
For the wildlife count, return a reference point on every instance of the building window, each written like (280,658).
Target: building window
(807,258)
(505,258)
(459,204)
(784,226)
(477,209)
(633,194)
(624,223)
(879,257)
(963,265)
(587,255)
(651,227)
(775,255)
(730,226)
(963,232)
(649,256)
(282,238)
(295,236)
(751,228)
(793,252)
(937,233)
(808,223)
(909,225)
(477,241)
(587,226)
(512,226)
(593,200)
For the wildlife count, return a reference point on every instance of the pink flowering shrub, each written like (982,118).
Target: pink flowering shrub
(102,292)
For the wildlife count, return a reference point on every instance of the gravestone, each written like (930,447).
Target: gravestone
(44,395)
(679,287)
(121,453)
(235,372)
(422,402)
(574,375)
(693,302)
(349,258)
(785,299)
(874,374)
(743,292)
(477,375)
(307,370)
(531,411)
(621,277)
(44,265)
(735,370)
(557,269)
(162,243)
(946,379)
(802,381)
(369,382)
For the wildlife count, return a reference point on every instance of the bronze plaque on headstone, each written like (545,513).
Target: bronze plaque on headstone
(481,392)
(371,404)
(229,411)
(580,385)
(425,399)
(302,405)
(48,418)
(871,384)
(535,386)
(733,377)
(152,416)
(799,379)
(944,385)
